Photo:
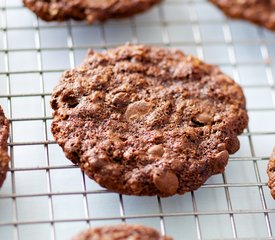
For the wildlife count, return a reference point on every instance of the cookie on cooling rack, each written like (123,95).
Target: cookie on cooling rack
(261,12)
(271,173)
(144,120)
(89,10)
(4,158)
(121,232)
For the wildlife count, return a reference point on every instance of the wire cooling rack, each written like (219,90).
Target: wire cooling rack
(46,197)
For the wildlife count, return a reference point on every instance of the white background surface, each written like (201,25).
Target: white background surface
(46,197)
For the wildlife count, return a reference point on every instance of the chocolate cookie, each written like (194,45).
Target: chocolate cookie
(121,232)
(261,12)
(4,158)
(271,173)
(89,10)
(146,120)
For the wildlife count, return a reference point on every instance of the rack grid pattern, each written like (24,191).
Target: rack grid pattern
(46,197)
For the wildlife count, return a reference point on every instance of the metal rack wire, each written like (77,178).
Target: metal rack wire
(46,197)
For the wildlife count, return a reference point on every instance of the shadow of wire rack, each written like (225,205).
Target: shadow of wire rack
(46,197)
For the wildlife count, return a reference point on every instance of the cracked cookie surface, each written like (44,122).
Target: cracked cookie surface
(121,232)
(4,158)
(144,120)
(260,12)
(89,10)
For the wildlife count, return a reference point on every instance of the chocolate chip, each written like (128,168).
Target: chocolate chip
(203,119)
(120,99)
(221,146)
(156,150)
(221,161)
(137,110)
(166,182)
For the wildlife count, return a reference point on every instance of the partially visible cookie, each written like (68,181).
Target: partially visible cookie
(144,120)
(121,232)
(261,12)
(271,173)
(89,10)
(4,158)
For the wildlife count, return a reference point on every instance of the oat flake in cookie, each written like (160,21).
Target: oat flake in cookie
(121,232)
(271,173)
(89,10)
(4,158)
(261,12)
(145,120)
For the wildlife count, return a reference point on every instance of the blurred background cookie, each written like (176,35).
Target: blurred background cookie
(121,232)
(271,173)
(89,10)
(4,158)
(261,12)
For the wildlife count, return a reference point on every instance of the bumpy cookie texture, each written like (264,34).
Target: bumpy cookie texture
(4,158)
(148,121)
(121,232)
(271,173)
(261,12)
(89,10)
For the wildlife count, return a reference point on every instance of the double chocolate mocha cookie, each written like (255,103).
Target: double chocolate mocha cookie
(121,232)
(89,10)
(4,158)
(271,173)
(261,12)
(145,120)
